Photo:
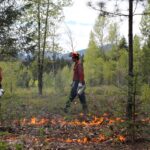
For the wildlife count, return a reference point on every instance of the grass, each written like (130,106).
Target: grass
(26,102)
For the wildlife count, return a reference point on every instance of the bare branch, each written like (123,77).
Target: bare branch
(142,14)
(106,13)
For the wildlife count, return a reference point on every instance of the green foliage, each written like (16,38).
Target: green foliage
(145,63)
(145,93)
(137,55)
(113,36)
(19,146)
(9,15)
(100,29)
(23,78)
(121,70)
(108,72)
(48,80)
(122,44)
(4,133)
(3,146)
(93,63)
(63,78)
(145,23)
(10,70)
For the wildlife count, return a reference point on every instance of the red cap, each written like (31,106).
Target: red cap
(74,54)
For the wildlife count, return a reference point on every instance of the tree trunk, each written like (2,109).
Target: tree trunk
(129,111)
(39,53)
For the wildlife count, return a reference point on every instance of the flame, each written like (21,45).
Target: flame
(82,140)
(96,121)
(100,138)
(121,138)
(92,122)
(111,121)
(33,120)
(119,119)
(69,141)
(43,121)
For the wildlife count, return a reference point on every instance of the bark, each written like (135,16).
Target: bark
(41,54)
(129,111)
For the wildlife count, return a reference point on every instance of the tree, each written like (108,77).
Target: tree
(137,55)
(145,23)
(146,62)
(93,62)
(9,13)
(46,15)
(104,12)
(100,28)
(113,39)
(113,35)
(123,44)
(70,40)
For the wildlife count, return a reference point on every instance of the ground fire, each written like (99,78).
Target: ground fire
(93,129)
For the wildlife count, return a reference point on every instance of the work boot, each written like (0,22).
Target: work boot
(68,104)
(85,109)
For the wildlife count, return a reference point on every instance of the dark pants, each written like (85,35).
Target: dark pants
(73,94)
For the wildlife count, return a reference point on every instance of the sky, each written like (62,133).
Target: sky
(80,19)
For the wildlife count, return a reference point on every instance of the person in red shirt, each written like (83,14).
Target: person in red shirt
(78,84)
(1,78)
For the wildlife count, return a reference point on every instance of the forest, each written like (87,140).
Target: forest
(36,86)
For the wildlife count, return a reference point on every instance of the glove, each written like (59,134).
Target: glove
(80,88)
(1,92)
(80,85)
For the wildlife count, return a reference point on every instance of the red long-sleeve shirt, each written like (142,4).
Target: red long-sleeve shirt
(1,75)
(78,74)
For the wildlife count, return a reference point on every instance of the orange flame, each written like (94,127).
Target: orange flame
(111,121)
(33,120)
(100,138)
(121,138)
(69,141)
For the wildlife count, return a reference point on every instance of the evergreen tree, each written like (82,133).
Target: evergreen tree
(137,55)
(145,28)
(93,63)
(146,62)
(9,13)
(123,44)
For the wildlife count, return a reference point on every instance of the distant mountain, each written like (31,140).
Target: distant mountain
(66,55)
(82,52)
(23,56)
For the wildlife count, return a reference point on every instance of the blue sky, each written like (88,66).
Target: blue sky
(79,18)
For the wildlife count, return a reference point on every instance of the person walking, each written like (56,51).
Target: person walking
(78,84)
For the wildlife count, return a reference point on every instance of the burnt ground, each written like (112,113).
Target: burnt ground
(57,132)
